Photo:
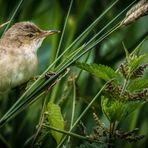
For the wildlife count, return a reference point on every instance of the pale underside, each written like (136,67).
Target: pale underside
(16,68)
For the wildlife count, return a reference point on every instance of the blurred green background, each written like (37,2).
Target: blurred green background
(51,14)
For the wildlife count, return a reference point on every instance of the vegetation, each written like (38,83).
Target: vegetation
(97,95)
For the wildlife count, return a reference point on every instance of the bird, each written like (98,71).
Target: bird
(18,54)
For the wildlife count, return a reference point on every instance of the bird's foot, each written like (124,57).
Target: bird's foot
(49,74)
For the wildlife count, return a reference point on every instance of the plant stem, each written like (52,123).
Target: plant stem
(13,15)
(71,134)
(83,113)
(2,25)
(73,106)
(5,142)
(111,135)
(65,23)
(124,86)
(41,120)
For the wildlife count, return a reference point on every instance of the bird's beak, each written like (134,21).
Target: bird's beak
(49,32)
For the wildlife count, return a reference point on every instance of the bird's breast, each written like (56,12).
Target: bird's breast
(24,68)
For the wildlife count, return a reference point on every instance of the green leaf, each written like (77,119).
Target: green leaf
(138,84)
(131,107)
(136,61)
(104,72)
(126,51)
(113,109)
(55,119)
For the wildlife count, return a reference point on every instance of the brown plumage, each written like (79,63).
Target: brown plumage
(18,58)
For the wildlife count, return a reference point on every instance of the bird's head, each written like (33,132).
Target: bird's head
(27,33)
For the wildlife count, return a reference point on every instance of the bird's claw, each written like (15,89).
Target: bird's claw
(49,74)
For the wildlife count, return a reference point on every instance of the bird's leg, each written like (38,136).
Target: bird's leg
(49,74)
(33,79)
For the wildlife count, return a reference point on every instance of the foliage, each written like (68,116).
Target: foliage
(55,119)
(104,72)
(115,100)
(112,109)
(64,108)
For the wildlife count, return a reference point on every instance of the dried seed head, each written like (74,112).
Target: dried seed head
(97,120)
(100,125)
(139,71)
(138,96)
(116,92)
(124,70)
(137,11)
(113,89)
(129,136)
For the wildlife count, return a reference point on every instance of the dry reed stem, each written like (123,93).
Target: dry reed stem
(2,25)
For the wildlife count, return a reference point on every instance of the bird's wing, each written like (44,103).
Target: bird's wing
(3,52)
(4,81)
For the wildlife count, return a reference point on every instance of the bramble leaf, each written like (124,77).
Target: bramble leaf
(112,109)
(137,60)
(131,107)
(104,72)
(55,119)
(138,84)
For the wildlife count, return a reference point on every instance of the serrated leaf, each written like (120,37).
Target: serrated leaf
(112,109)
(104,72)
(131,107)
(135,62)
(55,119)
(138,84)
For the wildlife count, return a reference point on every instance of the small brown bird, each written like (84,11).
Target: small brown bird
(18,54)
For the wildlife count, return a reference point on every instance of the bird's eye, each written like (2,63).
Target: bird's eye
(30,35)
